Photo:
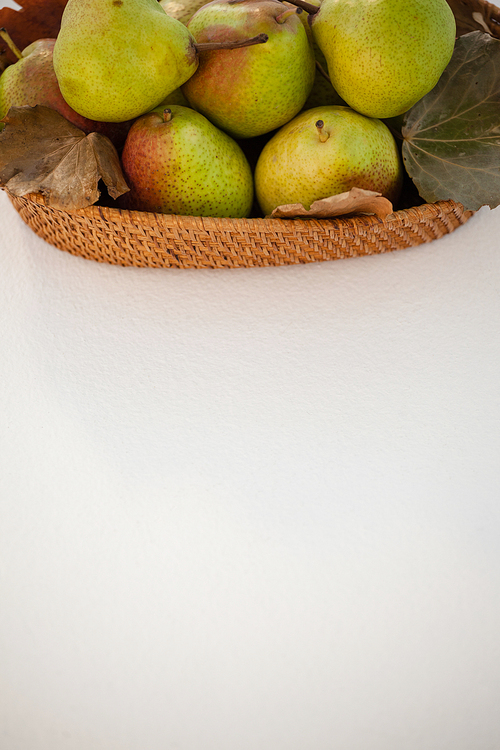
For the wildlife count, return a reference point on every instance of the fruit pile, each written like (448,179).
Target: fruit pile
(244,99)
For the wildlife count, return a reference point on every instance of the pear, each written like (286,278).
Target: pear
(248,92)
(384,55)
(322,92)
(326,151)
(175,161)
(183,10)
(176,97)
(31,80)
(117,59)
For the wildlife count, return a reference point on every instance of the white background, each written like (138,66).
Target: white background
(250,509)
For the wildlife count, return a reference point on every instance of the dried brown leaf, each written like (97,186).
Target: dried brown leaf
(354,201)
(37,19)
(41,152)
(475,15)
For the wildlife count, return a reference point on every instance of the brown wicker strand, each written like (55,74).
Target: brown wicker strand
(132,238)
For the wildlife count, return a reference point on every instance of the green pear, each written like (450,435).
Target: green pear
(248,92)
(323,152)
(183,10)
(322,92)
(31,81)
(384,55)
(117,59)
(176,162)
(176,97)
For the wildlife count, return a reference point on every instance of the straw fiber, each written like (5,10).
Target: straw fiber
(132,238)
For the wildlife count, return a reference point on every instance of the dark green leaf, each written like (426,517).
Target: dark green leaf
(451,146)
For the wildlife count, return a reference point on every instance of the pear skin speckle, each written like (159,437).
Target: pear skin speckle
(115,62)
(384,55)
(323,152)
(176,162)
(250,91)
(31,81)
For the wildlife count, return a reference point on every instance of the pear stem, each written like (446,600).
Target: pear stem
(287,13)
(167,115)
(13,48)
(323,135)
(323,71)
(308,7)
(207,46)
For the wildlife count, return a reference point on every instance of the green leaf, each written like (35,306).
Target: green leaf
(451,147)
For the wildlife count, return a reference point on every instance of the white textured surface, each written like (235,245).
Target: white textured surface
(251,509)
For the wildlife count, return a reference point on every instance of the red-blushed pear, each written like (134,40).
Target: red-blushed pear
(248,92)
(176,162)
(118,59)
(326,151)
(31,80)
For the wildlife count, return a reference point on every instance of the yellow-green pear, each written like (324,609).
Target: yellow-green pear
(322,92)
(323,152)
(251,91)
(176,162)
(31,81)
(117,59)
(183,10)
(384,55)
(176,97)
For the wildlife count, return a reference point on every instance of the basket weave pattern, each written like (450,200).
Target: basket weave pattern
(132,238)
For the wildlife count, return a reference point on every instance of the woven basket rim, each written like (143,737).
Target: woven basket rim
(124,237)
(110,234)
(424,212)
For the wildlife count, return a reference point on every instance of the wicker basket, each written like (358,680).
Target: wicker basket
(132,238)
